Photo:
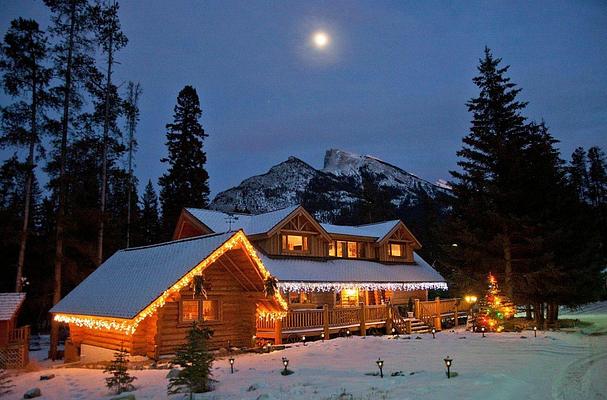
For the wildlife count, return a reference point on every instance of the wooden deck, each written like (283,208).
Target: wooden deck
(339,320)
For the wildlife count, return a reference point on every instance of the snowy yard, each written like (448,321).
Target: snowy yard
(560,365)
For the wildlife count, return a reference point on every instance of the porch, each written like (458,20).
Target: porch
(326,321)
(14,348)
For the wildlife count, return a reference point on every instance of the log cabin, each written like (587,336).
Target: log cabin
(328,279)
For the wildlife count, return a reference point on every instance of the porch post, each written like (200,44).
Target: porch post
(437,316)
(278,331)
(363,317)
(408,327)
(456,314)
(416,309)
(325,320)
(388,319)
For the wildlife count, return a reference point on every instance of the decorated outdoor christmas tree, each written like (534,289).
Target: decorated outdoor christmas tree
(494,308)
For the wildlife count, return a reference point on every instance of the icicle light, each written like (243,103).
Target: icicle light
(128,326)
(339,286)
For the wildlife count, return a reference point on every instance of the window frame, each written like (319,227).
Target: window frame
(182,322)
(403,249)
(284,243)
(342,247)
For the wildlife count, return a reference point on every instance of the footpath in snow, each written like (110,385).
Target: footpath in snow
(559,365)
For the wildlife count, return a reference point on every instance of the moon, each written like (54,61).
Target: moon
(321,40)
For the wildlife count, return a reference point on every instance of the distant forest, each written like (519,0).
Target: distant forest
(518,208)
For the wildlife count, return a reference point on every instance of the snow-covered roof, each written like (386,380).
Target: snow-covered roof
(131,279)
(340,270)
(251,224)
(9,305)
(378,230)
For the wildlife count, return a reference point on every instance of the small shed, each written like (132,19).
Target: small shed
(13,340)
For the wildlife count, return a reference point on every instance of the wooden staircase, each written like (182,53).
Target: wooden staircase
(404,325)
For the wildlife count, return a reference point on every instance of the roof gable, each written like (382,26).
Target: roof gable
(400,232)
(299,220)
(134,283)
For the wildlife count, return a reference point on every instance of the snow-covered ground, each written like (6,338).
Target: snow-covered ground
(559,365)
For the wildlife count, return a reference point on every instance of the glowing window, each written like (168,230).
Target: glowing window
(332,249)
(396,250)
(352,250)
(294,243)
(210,310)
(189,310)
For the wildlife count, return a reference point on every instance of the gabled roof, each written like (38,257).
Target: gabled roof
(218,221)
(294,269)
(131,279)
(10,304)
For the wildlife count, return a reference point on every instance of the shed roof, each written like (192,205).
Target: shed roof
(9,305)
(131,279)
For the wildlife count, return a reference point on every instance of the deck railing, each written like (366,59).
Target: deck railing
(19,335)
(328,321)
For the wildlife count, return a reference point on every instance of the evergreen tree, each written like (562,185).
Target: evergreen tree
(110,39)
(487,191)
(375,201)
(196,364)
(185,184)
(131,110)
(73,62)
(120,380)
(149,225)
(23,55)
(578,173)
(597,177)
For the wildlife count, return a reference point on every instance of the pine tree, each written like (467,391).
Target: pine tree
(375,201)
(73,61)
(185,184)
(487,190)
(597,177)
(23,56)
(120,380)
(149,225)
(494,308)
(131,110)
(196,363)
(578,173)
(110,39)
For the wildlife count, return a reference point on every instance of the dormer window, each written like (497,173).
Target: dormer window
(295,243)
(397,250)
(344,249)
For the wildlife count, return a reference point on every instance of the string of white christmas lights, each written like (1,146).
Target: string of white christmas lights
(338,286)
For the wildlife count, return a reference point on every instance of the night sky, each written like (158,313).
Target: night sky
(392,81)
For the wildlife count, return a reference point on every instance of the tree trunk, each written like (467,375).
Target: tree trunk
(28,189)
(106,129)
(62,184)
(528,311)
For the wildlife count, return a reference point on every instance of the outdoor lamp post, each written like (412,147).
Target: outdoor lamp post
(448,362)
(322,336)
(348,333)
(231,360)
(483,330)
(303,339)
(535,331)
(285,362)
(433,333)
(380,365)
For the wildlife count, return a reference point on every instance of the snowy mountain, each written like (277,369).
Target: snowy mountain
(338,181)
